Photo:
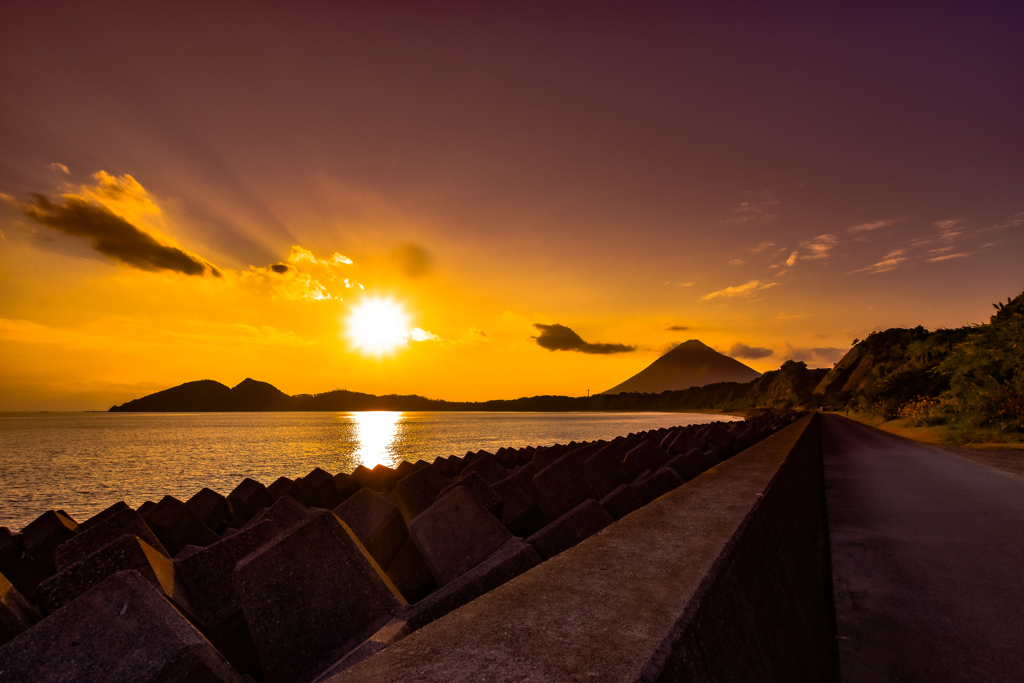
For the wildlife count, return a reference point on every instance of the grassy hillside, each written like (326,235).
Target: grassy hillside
(969,380)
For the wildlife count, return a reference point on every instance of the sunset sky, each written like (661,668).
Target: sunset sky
(553,193)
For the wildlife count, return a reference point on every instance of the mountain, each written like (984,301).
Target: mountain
(206,395)
(691,364)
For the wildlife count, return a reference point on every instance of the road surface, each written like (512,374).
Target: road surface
(927,560)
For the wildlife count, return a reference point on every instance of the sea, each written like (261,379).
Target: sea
(82,463)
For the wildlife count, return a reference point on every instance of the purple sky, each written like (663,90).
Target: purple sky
(617,168)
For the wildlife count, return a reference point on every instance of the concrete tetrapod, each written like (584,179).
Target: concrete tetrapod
(121,630)
(127,552)
(456,534)
(376,522)
(16,614)
(714,581)
(310,597)
(92,537)
(204,585)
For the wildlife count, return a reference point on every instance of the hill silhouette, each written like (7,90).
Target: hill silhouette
(691,364)
(970,379)
(206,395)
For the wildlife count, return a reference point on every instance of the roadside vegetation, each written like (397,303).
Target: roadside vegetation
(968,382)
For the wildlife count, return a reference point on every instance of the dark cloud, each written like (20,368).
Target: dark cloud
(413,260)
(561,338)
(677,328)
(281,268)
(749,352)
(827,354)
(113,236)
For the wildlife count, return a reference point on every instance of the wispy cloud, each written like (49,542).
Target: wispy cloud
(872,225)
(679,284)
(560,338)
(739,350)
(678,328)
(947,257)
(947,234)
(756,206)
(60,168)
(736,262)
(740,290)
(758,248)
(819,246)
(889,262)
(816,248)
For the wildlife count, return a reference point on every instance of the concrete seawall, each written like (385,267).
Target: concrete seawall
(726,578)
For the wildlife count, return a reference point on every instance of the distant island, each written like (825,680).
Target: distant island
(969,380)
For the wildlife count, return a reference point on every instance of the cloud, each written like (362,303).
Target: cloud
(888,262)
(792,259)
(758,206)
(873,225)
(819,246)
(561,338)
(825,354)
(119,219)
(419,334)
(737,262)
(304,276)
(113,236)
(300,255)
(757,249)
(749,352)
(60,167)
(947,257)
(677,328)
(680,285)
(413,260)
(740,290)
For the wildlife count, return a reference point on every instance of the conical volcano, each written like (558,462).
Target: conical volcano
(691,364)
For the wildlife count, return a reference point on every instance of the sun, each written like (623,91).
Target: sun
(378,326)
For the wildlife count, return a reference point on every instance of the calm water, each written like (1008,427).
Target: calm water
(84,462)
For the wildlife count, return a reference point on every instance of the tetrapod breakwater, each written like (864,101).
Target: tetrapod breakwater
(392,574)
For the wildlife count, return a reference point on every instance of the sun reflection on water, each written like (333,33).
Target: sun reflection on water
(376,433)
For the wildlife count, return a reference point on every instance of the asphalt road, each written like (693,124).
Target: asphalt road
(927,560)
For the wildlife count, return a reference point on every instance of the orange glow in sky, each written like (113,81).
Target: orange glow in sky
(511,201)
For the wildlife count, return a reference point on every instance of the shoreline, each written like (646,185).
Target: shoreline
(695,411)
